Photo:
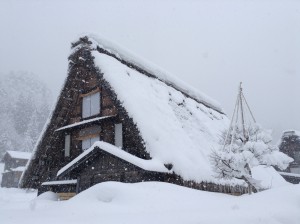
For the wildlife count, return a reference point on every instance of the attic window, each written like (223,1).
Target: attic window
(91,105)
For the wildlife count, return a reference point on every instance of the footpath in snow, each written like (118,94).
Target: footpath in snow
(151,202)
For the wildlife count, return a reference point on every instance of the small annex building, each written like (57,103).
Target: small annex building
(290,145)
(119,118)
(14,165)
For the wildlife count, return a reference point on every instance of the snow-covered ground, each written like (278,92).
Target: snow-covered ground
(151,202)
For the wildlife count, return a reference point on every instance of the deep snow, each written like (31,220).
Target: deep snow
(150,202)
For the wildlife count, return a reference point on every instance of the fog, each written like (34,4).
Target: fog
(211,45)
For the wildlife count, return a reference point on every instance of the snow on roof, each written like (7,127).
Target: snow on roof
(150,165)
(19,168)
(60,182)
(289,174)
(83,122)
(149,67)
(19,155)
(176,129)
(290,132)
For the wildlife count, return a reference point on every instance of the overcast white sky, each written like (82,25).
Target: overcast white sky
(210,44)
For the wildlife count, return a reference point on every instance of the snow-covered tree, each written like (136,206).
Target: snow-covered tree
(24,101)
(245,145)
(238,155)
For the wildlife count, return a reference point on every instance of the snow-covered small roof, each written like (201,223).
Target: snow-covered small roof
(289,174)
(149,165)
(290,132)
(60,182)
(83,122)
(19,168)
(19,155)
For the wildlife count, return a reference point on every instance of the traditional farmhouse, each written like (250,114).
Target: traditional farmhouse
(290,145)
(118,118)
(14,165)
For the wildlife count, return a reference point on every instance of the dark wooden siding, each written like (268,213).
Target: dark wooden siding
(11,179)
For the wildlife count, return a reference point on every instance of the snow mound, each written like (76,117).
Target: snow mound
(268,176)
(153,202)
(49,196)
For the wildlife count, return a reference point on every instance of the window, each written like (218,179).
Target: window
(87,143)
(91,105)
(118,135)
(67,145)
(16,179)
(295,170)
(297,156)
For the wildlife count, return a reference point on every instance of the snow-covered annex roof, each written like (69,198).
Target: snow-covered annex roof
(19,155)
(290,132)
(149,165)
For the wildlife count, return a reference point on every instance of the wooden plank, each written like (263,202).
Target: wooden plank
(90,93)
(66,196)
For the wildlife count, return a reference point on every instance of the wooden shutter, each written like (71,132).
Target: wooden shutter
(94,139)
(86,106)
(86,143)
(118,135)
(67,145)
(95,104)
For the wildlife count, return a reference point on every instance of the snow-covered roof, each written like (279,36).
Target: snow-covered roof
(60,182)
(152,69)
(176,128)
(19,168)
(290,132)
(150,165)
(19,155)
(179,125)
(289,174)
(83,122)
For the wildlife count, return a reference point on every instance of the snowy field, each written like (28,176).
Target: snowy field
(114,202)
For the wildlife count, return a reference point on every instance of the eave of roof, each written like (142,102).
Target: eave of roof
(84,122)
(60,182)
(148,165)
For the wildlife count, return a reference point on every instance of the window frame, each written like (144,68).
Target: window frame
(91,104)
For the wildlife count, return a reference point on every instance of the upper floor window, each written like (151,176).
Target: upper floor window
(91,105)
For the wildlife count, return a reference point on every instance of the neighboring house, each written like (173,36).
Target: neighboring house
(290,145)
(14,165)
(146,126)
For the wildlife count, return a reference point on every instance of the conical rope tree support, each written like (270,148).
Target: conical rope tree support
(239,115)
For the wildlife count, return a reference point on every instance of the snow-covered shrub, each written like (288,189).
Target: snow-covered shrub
(241,150)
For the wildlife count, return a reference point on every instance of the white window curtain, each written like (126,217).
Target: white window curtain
(87,143)
(91,105)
